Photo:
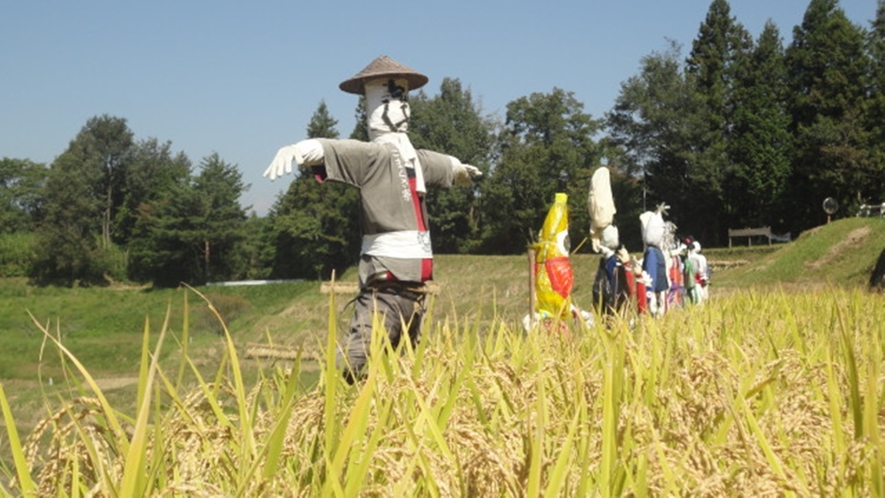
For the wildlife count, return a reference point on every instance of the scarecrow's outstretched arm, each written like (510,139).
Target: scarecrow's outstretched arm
(464,173)
(308,152)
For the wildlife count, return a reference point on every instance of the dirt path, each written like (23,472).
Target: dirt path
(115,382)
(854,239)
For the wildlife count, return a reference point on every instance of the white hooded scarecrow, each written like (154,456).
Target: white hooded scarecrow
(654,263)
(699,272)
(393,177)
(613,281)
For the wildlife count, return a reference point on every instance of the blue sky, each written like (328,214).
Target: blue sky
(243,78)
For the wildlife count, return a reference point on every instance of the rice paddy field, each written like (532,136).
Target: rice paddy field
(774,387)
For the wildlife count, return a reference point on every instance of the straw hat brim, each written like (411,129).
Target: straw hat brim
(383,67)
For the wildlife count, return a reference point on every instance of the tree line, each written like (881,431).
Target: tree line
(738,132)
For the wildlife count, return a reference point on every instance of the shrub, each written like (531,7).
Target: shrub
(16,253)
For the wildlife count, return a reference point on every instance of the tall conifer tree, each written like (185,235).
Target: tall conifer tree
(760,142)
(876,107)
(711,68)
(828,72)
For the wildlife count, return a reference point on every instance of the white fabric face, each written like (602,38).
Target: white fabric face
(610,237)
(652,228)
(379,99)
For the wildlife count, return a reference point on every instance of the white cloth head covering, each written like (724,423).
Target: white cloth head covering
(601,205)
(610,237)
(388,114)
(652,228)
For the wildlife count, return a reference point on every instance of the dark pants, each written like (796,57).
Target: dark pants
(400,311)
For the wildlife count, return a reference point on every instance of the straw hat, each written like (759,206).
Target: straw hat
(383,67)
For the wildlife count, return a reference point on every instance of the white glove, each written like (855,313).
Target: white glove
(606,252)
(464,173)
(308,152)
(678,251)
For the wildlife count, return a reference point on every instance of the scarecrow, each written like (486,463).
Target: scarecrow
(696,272)
(396,258)
(552,274)
(689,283)
(654,263)
(612,286)
(674,250)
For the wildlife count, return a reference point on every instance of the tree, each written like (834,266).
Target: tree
(165,247)
(21,199)
(221,219)
(156,177)
(104,146)
(315,227)
(67,239)
(875,113)
(83,192)
(828,81)
(657,120)
(153,169)
(361,127)
(76,234)
(546,146)
(451,122)
(760,142)
(194,231)
(255,246)
(722,43)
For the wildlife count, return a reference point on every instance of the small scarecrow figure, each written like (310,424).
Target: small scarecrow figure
(654,262)
(396,258)
(552,274)
(696,272)
(614,277)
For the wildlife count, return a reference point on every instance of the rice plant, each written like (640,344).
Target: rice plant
(753,394)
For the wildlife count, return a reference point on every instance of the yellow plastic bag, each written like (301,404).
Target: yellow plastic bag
(553,271)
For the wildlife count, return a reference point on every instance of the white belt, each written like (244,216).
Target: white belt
(405,244)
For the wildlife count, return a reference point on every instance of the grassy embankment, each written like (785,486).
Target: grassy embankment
(103,328)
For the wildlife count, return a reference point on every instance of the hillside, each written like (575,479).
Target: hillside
(841,253)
